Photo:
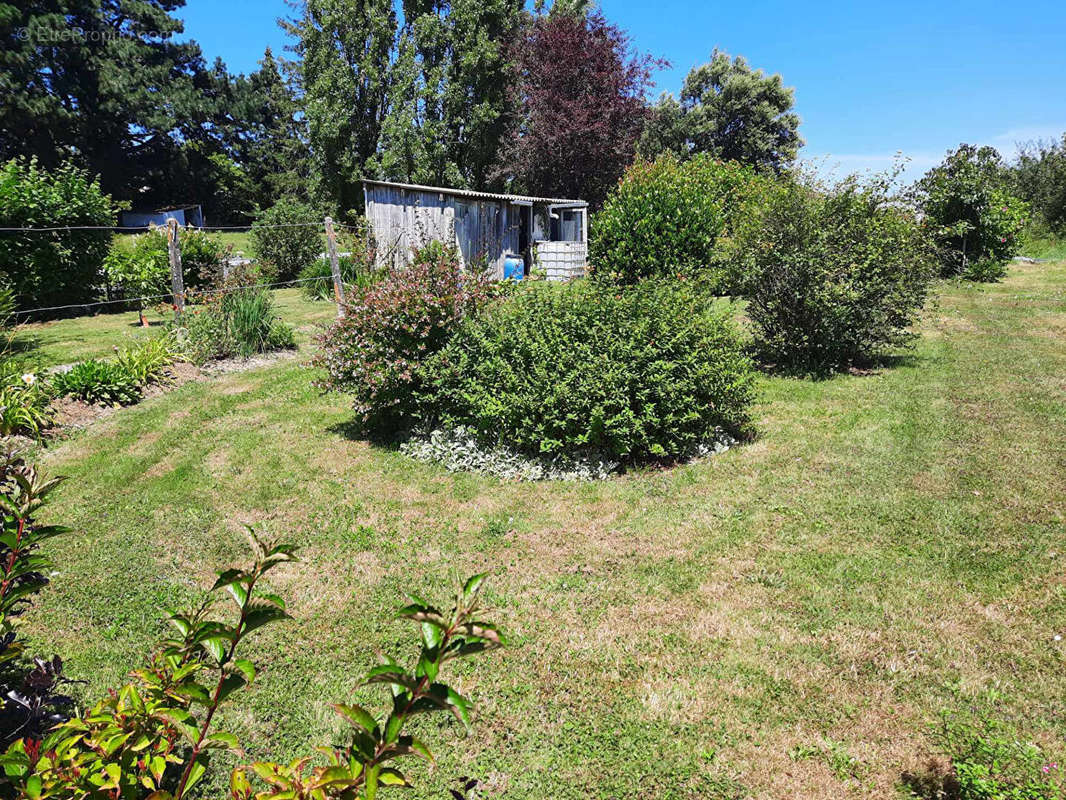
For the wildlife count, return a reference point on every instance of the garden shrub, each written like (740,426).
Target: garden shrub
(376,352)
(358,269)
(95,381)
(57,267)
(969,214)
(645,372)
(148,361)
(139,266)
(282,244)
(833,275)
(235,318)
(667,218)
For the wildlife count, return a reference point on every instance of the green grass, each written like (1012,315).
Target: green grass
(784,620)
(66,341)
(1044,247)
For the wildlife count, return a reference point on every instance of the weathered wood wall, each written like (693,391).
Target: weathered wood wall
(403,219)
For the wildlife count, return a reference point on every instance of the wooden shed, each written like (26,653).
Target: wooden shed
(547,233)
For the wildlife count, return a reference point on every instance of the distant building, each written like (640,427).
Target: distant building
(545,233)
(187,216)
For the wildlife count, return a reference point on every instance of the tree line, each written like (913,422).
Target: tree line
(468,93)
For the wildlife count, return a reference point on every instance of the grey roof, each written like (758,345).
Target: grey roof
(481,195)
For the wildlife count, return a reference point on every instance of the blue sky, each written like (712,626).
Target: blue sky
(870,79)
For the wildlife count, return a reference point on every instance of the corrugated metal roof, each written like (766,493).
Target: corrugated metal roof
(515,198)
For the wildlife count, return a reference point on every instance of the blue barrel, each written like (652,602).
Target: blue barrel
(514,267)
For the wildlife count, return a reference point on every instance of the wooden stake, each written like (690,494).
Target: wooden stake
(335,267)
(177,283)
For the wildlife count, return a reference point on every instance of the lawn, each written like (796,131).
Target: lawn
(69,340)
(783,620)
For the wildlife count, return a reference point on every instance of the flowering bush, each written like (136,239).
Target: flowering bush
(972,219)
(377,351)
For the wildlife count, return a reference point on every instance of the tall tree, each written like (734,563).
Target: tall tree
(450,79)
(580,107)
(344,49)
(104,82)
(729,110)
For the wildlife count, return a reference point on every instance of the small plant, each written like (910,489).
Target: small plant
(24,401)
(283,241)
(102,382)
(392,327)
(30,704)
(364,763)
(356,271)
(148,734)
(989,761)
(156,734)
(237,319)
(631,374)
(148,361)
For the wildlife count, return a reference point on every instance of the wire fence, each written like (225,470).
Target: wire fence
(178,294)
(168,296)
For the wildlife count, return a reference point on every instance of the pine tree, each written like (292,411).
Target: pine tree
(729,110)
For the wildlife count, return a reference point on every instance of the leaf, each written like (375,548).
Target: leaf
(230,684)
(216,646)
(224,739)
(33,787)
(359,716)
(392,777)
(245,667)
(259,614)
(390,673)
(226,577)
(473,586)
(196,773)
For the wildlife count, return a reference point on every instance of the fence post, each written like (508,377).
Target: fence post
(177,282)
(334,267)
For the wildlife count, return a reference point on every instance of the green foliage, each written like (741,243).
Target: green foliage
(356,272)
(283,241)
(989,760)
(139,266)
(155,736)
(29,706)
(391,328)
(1039,178)
(834,275)
(148,361)
(730,111)
(237,319)
(94,381)
(60,267)
(666,219)
(647,372)
(148,734)
(24,400)
(375,743)
(969,214)
(343,50)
